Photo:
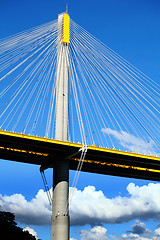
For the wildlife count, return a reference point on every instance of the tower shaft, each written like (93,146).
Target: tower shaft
(61,129)
(60,212)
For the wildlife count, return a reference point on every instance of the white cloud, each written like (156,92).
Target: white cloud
(139,232)
(95,233)
(31,231)
(132,143)
(131,236)
(34,212)
(93,207)
(89,206)
(138,228)
(157,231)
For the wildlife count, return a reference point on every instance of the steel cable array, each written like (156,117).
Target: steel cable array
(111,103)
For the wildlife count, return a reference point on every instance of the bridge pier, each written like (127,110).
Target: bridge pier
(60,212)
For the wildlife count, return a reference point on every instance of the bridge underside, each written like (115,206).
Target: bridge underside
(45,152)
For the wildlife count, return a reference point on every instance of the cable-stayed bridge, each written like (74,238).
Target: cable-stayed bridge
(70,102)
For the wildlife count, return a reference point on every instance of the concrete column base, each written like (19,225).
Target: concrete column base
(60,211)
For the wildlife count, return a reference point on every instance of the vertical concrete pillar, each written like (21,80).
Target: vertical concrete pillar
(60,214)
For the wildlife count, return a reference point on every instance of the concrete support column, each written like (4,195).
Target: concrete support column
(60,215)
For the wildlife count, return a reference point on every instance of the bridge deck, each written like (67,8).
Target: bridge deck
(44,152)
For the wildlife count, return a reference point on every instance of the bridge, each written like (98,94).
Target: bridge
(70,102)
(45,152)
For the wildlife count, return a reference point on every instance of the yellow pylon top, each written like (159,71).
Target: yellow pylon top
(66,29)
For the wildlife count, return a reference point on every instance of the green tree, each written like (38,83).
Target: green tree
(9,229)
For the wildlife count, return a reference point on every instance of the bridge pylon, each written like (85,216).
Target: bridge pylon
(60,204)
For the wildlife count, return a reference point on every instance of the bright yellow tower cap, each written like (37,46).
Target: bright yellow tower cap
(66,29)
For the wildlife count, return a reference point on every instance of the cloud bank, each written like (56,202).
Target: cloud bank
(34,212)
(89,206)
(93,207)
(138,232)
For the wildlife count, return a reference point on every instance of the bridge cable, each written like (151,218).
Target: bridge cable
(83,151)
(46,187)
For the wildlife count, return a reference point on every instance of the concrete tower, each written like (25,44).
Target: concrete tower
(60,214)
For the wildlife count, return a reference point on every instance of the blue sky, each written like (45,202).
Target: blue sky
(132,29)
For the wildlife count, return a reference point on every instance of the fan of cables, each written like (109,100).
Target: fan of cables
(111,103)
